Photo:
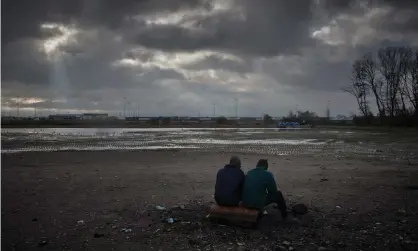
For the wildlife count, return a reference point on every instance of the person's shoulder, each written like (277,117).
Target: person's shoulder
(252,171)
(221,170)
(268,174)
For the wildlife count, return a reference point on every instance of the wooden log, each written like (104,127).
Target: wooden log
(238,215)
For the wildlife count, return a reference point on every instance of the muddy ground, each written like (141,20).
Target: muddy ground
(106,200)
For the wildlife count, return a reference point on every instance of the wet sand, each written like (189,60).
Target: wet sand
(105,200)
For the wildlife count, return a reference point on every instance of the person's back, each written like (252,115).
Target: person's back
(229,182)
(260,189)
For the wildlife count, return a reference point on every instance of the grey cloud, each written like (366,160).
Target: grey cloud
(219,63)
(269,28)
(24,62)
(22,18)
(109,30)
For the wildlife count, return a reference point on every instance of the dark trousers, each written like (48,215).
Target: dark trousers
(226,202)
(281,204)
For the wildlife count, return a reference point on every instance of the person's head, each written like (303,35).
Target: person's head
(235,161)
(263,163)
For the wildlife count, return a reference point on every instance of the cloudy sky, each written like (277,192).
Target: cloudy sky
(180,57)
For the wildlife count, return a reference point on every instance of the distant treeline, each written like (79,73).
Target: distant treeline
(304,118)
(389,80)
(164,122)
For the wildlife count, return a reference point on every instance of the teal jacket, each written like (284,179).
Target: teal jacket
(258,183)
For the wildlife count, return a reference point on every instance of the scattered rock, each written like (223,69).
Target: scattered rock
(280,248)
(98,235)
(126,230)
(81,223)
(161,208)
(193,242)
(170,220)
(286,243)
(341,244)
(43,242)
(299,209)
(324,179)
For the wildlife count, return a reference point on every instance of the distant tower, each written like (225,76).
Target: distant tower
(214,110)
(236,108)
(124,107)
(328,112)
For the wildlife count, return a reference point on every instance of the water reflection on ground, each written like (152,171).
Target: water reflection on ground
(257,140)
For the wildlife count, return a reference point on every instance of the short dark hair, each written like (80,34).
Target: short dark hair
(263,162)
(235,161)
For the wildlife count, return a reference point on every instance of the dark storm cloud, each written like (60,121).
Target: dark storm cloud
(266,27)
(111,30)
(403,16)
(24,62)
(219,63)
(22,18)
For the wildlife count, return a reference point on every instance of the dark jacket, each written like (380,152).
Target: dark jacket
(228,188)
(258,184)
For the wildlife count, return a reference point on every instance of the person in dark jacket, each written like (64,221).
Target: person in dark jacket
(229,182)
(260,189)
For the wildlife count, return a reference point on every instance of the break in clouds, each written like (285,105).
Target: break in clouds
(180,57)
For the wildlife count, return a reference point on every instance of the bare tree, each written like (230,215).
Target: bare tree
(369,68)
(358,87)
(393,62)
(411,83)
(405,60)
(392,79)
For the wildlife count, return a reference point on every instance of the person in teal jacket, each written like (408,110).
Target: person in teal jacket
(260,189)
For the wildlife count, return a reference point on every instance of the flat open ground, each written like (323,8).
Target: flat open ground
(72,189)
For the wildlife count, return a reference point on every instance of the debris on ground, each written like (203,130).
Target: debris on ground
(126,230)
(299,209)
(98,235)
(170,220)
(43,242)
(160,208)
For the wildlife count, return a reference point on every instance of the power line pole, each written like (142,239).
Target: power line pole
(328,112)
(236,108)
(129,109)
(214,110)
(124,107)
(17,106)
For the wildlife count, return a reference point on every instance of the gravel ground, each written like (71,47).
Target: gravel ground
(106,200)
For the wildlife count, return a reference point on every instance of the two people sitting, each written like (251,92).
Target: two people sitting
(255,190)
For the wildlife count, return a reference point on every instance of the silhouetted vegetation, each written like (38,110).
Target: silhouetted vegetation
(221,120)
(306,117)
(389,80)
(267,119)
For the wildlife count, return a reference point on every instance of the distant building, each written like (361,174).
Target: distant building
(138,118)
(95,116)
(65,116)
